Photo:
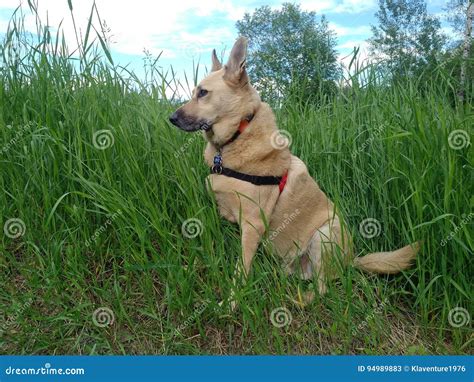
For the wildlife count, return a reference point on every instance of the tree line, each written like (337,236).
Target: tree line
(291,49)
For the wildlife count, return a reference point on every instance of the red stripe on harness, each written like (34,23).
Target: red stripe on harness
(283,182)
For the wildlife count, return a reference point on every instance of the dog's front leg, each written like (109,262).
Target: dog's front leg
(251,236)
(251,216)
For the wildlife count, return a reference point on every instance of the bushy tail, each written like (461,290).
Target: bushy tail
(388,262)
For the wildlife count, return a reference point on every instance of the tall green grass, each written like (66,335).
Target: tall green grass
(103,215)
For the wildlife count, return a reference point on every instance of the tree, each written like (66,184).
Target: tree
(407,37)
(460,16)
(459,13)
(288,47)
(456,12)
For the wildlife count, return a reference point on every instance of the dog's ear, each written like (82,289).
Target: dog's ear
(216,64)
(235,68)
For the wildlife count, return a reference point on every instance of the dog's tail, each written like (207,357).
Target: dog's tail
(388,262)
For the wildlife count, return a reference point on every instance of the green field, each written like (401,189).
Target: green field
(101,185)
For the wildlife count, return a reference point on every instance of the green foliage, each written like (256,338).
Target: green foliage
(103,218)
(407,38)
(451,63)
(456,15)
(289,46)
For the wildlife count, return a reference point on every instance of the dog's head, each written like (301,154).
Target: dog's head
(222,99)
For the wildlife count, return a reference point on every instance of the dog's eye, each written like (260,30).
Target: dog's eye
(202,93)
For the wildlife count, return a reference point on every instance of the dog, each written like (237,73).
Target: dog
(260,185)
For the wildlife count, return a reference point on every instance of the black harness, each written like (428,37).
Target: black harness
(258,180)
(254,179)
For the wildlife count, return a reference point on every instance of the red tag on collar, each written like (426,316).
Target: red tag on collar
(282,184)
(243,125)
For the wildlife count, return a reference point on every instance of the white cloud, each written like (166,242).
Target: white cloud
(353,43)
(343,31)
(144,24)
(450,32)
(318,6)
(10,3)
(363,56)
(354,6)
(338,6)
(162,26)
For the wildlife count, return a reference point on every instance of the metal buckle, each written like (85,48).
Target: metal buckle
(217,169)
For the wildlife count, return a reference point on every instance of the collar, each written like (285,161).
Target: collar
(242,126)
(258,180)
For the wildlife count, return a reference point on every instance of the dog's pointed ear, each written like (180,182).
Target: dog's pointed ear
(235,68)
(216,64)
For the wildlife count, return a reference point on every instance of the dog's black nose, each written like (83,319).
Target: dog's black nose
(174,119)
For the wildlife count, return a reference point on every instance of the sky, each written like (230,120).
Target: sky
(184,31)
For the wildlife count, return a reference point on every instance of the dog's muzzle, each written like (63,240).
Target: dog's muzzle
(174,119)
(185,123)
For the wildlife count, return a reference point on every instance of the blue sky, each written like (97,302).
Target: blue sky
(187,30)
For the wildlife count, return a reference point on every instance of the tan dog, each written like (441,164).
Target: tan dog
(250,166)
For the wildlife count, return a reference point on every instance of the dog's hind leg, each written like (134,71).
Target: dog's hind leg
(323,245)
(320,243)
